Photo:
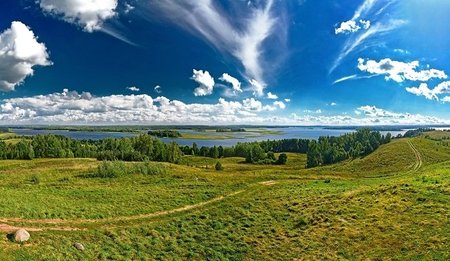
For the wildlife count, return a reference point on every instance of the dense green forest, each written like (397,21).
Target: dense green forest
(165,133)
(326,150)
(329,150)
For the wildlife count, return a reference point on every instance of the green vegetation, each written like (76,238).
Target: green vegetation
(391,204)
(115,169)
(218,166)
(230,130)
(329,150)
(165,133)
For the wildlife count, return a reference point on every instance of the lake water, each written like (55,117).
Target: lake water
(249,136)
(79,135)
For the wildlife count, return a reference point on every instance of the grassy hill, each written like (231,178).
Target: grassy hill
(392,204)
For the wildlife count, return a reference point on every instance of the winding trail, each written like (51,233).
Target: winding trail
(418,156)
(73,225)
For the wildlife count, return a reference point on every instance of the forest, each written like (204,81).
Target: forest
(326,150)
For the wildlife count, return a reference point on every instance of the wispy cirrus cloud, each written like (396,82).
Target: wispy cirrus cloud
(354,42)
(242,38)
(365,27)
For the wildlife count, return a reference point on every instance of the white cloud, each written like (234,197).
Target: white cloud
(84,108)
(399,71)
(206,82)
(133,89)
(333,104)
(157,89)
(242,39)
(279,104)
(352,26)
(287,100)
(89,14)
(365,24)
(258,88)
(430,94)
(353,43)
(381,116)
(73,107)
(318,111)
(20,51)
(235,83)
(128,8)
(271,96)
(364,8)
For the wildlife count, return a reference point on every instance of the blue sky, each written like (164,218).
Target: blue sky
(294,62)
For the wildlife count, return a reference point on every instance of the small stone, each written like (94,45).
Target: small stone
(21,235)
(78,246)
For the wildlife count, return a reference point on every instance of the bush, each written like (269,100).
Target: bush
(34,180)
(111,169)
(219,166)
(150,168)
(282,159)
(115,169)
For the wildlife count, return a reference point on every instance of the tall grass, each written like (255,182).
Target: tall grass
(115,169)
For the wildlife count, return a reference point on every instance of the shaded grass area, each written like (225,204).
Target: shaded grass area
(371,208)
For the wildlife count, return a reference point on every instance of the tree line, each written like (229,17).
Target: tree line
(326,150)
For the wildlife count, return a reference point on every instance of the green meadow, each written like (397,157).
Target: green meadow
(393,204)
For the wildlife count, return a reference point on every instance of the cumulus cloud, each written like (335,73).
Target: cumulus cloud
(430,94)
(74,107)
(382,116)
(272,96)
(89,14)
(20,51)
(279,104)
(85,108)
(206,82)
(242,38)
(287,100)
(235,83)
(333,104)
(399,71)
(133,89)
(158,89)
(352,26)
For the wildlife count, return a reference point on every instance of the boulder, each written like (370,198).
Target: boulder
(21,235)
(78,246)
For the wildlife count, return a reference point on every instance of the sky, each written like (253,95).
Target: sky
(206,62)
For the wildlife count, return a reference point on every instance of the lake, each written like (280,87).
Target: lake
(249,136)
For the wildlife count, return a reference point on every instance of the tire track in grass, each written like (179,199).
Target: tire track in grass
(419,161)
(71,225)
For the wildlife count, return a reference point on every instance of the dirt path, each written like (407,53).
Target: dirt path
(418,156)
(71,225)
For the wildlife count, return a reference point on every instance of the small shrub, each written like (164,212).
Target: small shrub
(219,166)
(282,159)
(150,168)
(111,169)
(34,180)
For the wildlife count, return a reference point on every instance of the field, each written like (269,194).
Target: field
(391,204)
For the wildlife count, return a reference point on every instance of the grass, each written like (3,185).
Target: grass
(377,207)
